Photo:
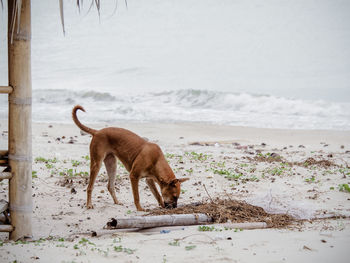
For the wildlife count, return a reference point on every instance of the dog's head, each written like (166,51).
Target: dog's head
(171,192)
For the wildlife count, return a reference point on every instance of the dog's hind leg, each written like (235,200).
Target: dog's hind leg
(111,167)
(152,186)
(95,166)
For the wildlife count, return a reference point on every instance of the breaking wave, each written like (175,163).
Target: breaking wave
(240,109)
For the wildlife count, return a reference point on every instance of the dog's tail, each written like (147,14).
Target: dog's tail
(78,123)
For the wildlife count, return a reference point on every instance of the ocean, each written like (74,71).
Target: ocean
(271,64)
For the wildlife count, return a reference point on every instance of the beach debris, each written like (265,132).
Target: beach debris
(82,133)
(240,147)
(65,182)
(197,144)
(311,161)
(307,248)
(72,140)
(268,157)
(215,143)
(234,211)
(275,156)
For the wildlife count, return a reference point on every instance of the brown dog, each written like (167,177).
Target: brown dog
(141,158)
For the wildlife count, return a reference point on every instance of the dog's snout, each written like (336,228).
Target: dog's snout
(170,205)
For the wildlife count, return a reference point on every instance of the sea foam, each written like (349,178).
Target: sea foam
(224,108)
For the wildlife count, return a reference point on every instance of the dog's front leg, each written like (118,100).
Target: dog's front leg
(152,186)
(134,179)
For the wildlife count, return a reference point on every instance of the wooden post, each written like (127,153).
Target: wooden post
(20,122)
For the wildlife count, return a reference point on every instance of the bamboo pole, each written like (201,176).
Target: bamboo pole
(20,127)
(5,175)
(3,162)
(3,206)
(6,228)
(161,220)
(6,89)
(3,153)
(3,158)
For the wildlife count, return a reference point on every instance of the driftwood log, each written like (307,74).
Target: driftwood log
(158,221)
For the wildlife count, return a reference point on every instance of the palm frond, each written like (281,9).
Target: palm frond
(79,4)
(115,8)
(16,16)
(18,10)
(98,5)
(62,16)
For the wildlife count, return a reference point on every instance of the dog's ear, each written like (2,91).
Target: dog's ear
(173,182)
(183,180)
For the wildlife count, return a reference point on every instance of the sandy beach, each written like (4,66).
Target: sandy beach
(298,172)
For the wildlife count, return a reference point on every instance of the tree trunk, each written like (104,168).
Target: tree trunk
(20,122)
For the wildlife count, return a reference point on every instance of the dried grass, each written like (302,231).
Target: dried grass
(235,211)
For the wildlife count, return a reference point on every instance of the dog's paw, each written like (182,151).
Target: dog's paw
(89,206)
